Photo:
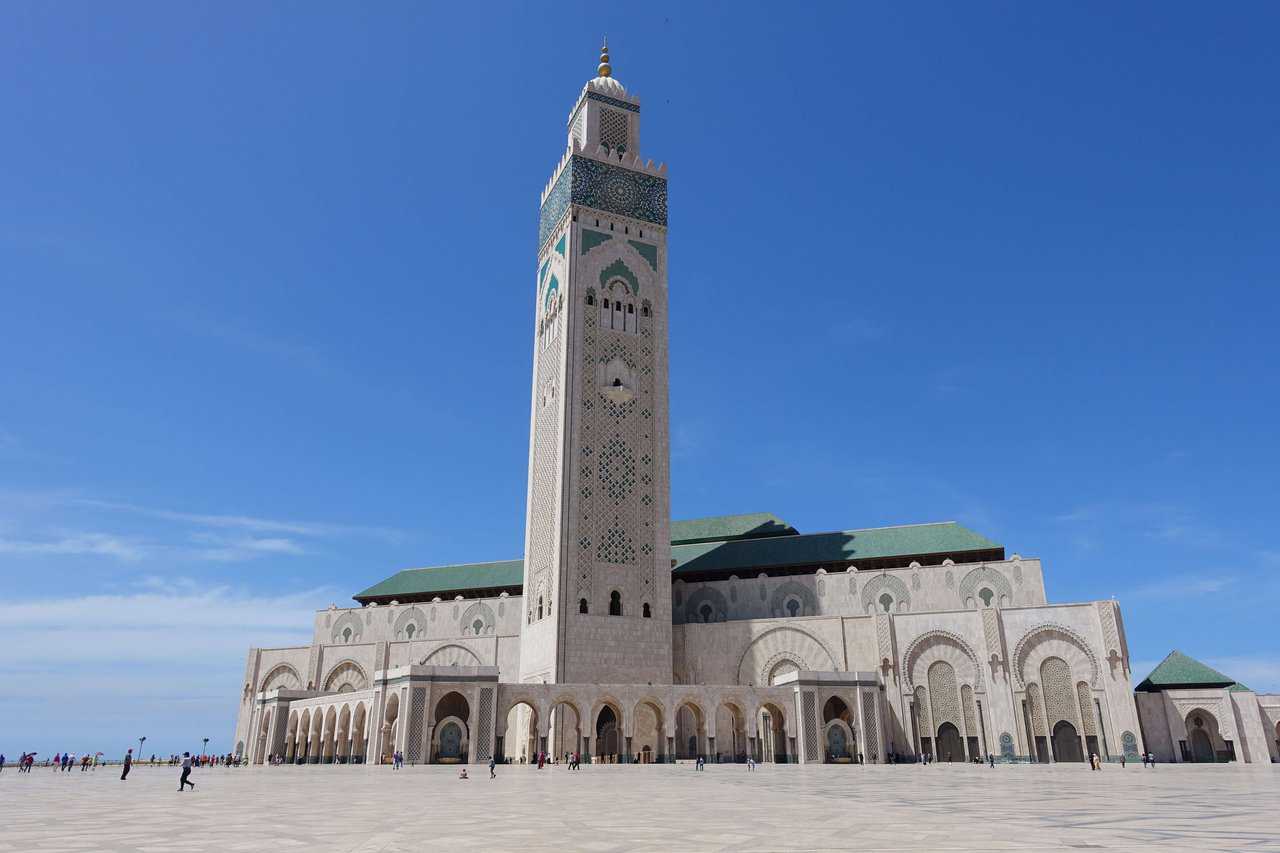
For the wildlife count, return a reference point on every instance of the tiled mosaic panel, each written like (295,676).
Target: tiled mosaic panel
(809,704)
(613,102)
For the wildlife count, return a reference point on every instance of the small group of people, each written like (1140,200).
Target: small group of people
(1148,759)
(700,764)
(397,760)
(24,762)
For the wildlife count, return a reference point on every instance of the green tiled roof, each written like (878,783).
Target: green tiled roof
(747,543)
(718,528)
(1179,670)
(916,539)
(448,579)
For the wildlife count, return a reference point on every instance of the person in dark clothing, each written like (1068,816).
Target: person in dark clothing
(186,773)
(128,765)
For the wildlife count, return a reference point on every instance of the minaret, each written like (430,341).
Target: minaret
(597,559)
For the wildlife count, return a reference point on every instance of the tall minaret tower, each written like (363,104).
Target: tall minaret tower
(597,558)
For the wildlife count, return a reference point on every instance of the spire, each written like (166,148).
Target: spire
(605,69)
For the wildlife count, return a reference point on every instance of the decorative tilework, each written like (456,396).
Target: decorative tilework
(555,206)
(870,720)
(648,251)
(591,239)
(613,102)
(615,189)
(618,269)
(484,726)
(561,244)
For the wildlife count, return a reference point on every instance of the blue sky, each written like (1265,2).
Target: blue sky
(268,277)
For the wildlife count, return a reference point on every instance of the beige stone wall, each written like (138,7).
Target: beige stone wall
(1014,582)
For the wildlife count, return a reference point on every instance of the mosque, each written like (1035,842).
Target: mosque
(629,637)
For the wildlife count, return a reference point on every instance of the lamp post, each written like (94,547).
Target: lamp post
(205,750)
(141,741)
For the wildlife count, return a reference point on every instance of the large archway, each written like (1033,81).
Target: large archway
(390,719)
(520,740)
(566,728)
(1204,742)
(1066,742)
(731,732)
(450,741)
(608,731)
(691,730)
(949,747)
(648,737)
(837,721)
(358,735)
(772,734)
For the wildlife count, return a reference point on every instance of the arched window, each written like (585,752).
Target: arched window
(644,311)
(793,606)
(615,603)
(346,635)
(477,625)
(986,595)
(409,629)
(591,299)
(631,308)
(644,611)
(582,605)
(539,607)
(886,601)
(606,303)
(705,612)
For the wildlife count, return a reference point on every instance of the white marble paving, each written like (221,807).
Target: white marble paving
(650,808)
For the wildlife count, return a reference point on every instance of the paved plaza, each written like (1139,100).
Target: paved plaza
(612,808)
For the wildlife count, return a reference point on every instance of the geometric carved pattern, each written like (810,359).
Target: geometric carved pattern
(545,492)
(281,676)
(984,576)
(809,703)
(1086,708)
(347,674)
(1111,635)
(1060,699)
(348,621)
(1006,745)
(416,708)
(991,630)
(776,644)
(413,616)
(948,646)
(922,712)
(1034,708)
(484,724)
(942,690)
(613,130)
(1057,640)
(792,593)
(890,584)
(872,726)
(477,613)
(966,700)
(615,189)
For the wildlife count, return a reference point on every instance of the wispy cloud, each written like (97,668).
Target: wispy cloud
(1178,586)
(251,523)
(164,659)
(79,544)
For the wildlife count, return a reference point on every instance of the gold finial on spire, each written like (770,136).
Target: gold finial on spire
(605,69)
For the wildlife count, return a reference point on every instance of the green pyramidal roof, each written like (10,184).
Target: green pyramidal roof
(720,528)
(1183,671)
(708,548)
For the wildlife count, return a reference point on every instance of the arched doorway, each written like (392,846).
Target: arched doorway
(1201,747)
(566,728)
(773,734)
(608,735)
(691,731)
(389,719)
(1066,743)
(649,735)
(839,736)
(520,739)
(450,738)
(358,735)
(950,747)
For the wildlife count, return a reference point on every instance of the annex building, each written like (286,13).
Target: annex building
(630,637)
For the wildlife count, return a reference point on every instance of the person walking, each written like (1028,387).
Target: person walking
(492,764)
(991,759)
(128,765)
(185,780)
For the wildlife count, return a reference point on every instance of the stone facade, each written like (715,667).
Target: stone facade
(860,645)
